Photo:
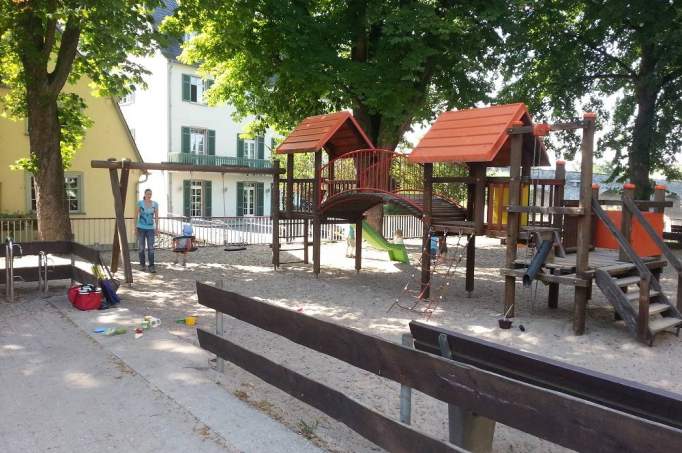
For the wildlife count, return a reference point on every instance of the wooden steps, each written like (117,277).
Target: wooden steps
(634,295)
(661,324)
(626,281)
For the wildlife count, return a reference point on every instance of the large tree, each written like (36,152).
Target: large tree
(43,45)
(393,62)
(567,54)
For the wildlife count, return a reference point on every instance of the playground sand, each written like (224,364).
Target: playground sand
(361,301)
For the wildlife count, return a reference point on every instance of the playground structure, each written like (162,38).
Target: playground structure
(350,176)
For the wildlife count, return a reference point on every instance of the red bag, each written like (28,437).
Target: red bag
(90,301)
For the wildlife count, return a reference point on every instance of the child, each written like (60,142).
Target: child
(183,244)
(350,243)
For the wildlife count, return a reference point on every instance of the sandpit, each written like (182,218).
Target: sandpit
(361,301)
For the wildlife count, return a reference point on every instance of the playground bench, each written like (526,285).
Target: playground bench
(646,420)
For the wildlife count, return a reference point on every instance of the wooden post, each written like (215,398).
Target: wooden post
(478,172)
(116,246)
(626,220)
(358,245)
(317,220)
(557,222)
(471,245)
(306,244)
(426,231)
(643,310)
(289,202)
(274,213)
(659,196)
(584,240)
(513,218)
(120,223)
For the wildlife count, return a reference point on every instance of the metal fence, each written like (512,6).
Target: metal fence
(214,231)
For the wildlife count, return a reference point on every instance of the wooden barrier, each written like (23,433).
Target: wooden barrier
(557,417)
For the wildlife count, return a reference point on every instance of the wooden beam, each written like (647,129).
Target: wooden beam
(610,391)
(547,210)
(643,205)
(274,214)
(386,433)
(426,231)
(120,222)
(626,220)
(549,278)
(317,221)
(478,172)
(358,245)
(116,248)
(559,418)
(167,166)
(289,204)
(584,239)
(513,221)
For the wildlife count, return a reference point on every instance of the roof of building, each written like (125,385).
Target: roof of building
(478,135)
(172,49)
(337,133)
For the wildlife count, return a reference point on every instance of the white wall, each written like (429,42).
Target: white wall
(228,192)
(157,116)
(218,118)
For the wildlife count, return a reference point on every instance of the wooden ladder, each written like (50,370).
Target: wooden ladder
(648,310)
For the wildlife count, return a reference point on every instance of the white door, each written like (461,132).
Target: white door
(249,200)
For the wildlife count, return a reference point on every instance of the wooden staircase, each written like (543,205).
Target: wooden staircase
(635,293)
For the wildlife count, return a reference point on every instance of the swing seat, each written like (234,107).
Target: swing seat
(188,245)
(235,246)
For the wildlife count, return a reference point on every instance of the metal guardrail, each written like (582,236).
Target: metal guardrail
(228,161)
(214,231)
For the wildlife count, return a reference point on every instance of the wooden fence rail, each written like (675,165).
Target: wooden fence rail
(557,417)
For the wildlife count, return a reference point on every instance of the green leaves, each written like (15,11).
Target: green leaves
(393,62)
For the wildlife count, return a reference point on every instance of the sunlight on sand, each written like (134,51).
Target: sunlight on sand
(172,346)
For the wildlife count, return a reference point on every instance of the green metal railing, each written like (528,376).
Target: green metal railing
(228,161)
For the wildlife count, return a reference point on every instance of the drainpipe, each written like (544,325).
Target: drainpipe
(169,194)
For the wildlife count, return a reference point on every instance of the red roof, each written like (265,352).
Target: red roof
(478,135)
(338,133)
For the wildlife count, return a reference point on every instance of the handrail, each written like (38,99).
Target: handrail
(625,245)
(670,256)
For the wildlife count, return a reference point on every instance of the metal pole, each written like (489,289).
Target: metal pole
(405,391)
(220,331)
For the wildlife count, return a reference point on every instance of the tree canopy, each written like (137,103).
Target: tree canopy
(561,51)
(394,62)
(43,45)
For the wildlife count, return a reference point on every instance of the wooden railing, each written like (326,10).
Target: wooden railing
(528,402)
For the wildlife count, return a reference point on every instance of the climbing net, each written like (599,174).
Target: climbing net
(443,269)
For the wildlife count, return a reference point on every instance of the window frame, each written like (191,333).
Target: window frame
(198,186)
(198,131)
(77,175)
(128,99)
(249,187)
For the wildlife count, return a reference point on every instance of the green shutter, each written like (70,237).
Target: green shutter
(185,196)
(211,142)
(185,87)
(260,147)
(208,84)
(240,199)
(259,198)
(184,143)
(208,198)
(240,146)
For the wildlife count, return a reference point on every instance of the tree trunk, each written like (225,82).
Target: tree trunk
(45,133)
(646,94)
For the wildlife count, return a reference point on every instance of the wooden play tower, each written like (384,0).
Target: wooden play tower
(583,243)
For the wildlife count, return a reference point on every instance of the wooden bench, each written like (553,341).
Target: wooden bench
(560,417)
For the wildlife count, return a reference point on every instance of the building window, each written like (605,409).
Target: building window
(73,184)
(250,149)
(249,199)
(189,36)
(196,199)
(197,140)
(193,88)
(127,99)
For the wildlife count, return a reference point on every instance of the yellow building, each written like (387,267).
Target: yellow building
(88,189)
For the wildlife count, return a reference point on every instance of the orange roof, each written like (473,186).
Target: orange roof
(478,135)
(338,133)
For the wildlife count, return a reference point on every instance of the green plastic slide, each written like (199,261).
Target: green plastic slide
(396,252)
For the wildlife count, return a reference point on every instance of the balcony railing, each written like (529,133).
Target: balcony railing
(227,161)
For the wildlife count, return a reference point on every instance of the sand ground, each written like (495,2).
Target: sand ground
(362,301)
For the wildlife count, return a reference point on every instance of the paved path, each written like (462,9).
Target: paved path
(66,389)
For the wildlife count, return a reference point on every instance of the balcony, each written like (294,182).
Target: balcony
(218,161)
